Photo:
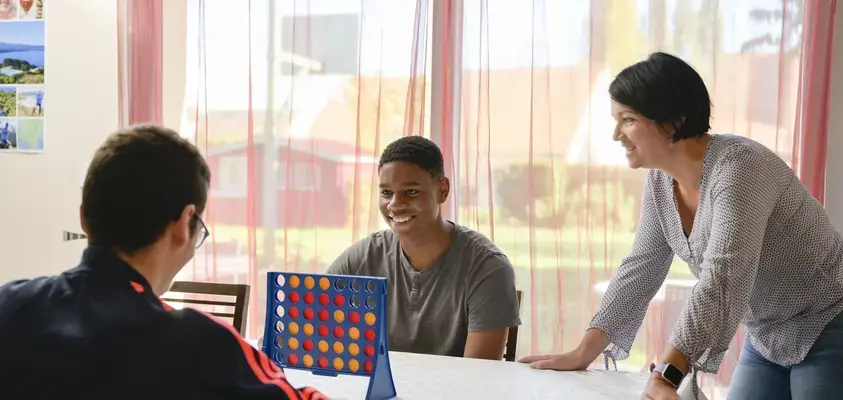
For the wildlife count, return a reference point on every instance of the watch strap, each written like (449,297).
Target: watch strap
(669,372)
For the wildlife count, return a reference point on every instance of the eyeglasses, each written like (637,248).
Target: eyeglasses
(203,234)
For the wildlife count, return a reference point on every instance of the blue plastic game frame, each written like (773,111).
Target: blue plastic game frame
(371,297)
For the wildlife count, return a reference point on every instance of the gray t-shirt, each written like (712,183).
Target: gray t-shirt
(470,288)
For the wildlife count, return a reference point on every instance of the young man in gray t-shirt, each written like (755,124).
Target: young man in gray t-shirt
(451,291)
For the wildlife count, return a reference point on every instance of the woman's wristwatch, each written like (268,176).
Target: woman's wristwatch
(669,372)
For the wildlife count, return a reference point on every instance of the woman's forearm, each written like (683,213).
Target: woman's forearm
(592,344)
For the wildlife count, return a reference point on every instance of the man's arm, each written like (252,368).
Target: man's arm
(492,308)
(231,365)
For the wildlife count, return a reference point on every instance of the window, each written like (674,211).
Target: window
(304,176)
(232,176)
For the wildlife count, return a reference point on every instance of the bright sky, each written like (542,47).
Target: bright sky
(560,32)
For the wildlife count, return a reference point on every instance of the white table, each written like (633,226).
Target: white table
(419,376)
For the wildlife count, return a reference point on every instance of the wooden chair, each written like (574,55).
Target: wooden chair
(512,336)
(204,290)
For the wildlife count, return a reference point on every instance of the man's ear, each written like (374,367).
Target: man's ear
(181,232)
(444,189)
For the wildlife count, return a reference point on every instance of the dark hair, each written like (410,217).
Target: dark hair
(665,89)
(415,150)
(139,181)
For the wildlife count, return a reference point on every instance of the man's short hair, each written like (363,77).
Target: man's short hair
(415,150)
(139,181)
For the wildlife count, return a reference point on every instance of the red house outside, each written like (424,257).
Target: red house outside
(312,180)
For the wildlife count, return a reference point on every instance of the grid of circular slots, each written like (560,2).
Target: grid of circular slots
(329,332)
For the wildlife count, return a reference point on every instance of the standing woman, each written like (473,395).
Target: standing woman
(763,249)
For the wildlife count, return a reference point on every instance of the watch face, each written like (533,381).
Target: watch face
(673,374)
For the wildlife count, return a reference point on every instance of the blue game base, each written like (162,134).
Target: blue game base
(381,384)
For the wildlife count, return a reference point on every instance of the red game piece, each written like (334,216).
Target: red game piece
(369,335)
(308,298)
(339,300)
(308,314)
(323,315)
(354,317)
(293,359)
(323,330)
(323,362)
(367,366)
(294,297)
(308,345)
(369,350)
(338,332)
(324,299)
(294,312)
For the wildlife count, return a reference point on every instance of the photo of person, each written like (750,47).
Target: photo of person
(8,101)
(9,9)
(30,101)
(8,134)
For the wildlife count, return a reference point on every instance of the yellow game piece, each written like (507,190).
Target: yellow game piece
(294,281)
(339,316)
(353,365)
(308,329)
(293,344)
(338,364)
(353,333)
(293,328)
(322,346)
(307,360)
(338,347)
(308,282)
(324,283)
(370,318)
(353,349)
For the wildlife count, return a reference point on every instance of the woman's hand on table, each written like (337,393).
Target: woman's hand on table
(592,344)
(570,361)
(658,389)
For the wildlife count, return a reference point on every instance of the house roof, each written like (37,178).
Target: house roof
(326,149)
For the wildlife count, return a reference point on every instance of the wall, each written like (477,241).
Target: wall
(39,194)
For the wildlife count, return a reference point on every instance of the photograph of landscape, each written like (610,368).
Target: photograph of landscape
(22,52)
(22,77)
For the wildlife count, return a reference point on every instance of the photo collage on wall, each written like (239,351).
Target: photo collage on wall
(23,104)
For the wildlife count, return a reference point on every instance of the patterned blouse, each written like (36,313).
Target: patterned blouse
(763,250)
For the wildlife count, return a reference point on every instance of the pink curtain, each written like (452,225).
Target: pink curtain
(815,94)
(292,103)
(140,62)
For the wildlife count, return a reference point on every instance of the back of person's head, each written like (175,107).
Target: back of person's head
(415,150)
(666,90)
(141,181)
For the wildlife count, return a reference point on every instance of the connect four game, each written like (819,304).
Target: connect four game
(330,325)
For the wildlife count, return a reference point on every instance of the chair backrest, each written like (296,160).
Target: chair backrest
(512,336)
(209,295)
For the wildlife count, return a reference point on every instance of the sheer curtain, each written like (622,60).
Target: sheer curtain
(292,102)
(140,70)
(541,173)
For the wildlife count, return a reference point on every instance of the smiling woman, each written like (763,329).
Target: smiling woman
(656,104)
(737,214)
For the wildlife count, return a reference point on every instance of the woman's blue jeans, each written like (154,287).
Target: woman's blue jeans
(818,377)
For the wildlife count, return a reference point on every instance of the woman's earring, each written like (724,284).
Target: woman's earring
(670,142)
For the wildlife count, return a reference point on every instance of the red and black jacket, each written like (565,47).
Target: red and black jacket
(99,332)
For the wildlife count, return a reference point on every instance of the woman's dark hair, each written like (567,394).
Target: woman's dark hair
(665,89)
